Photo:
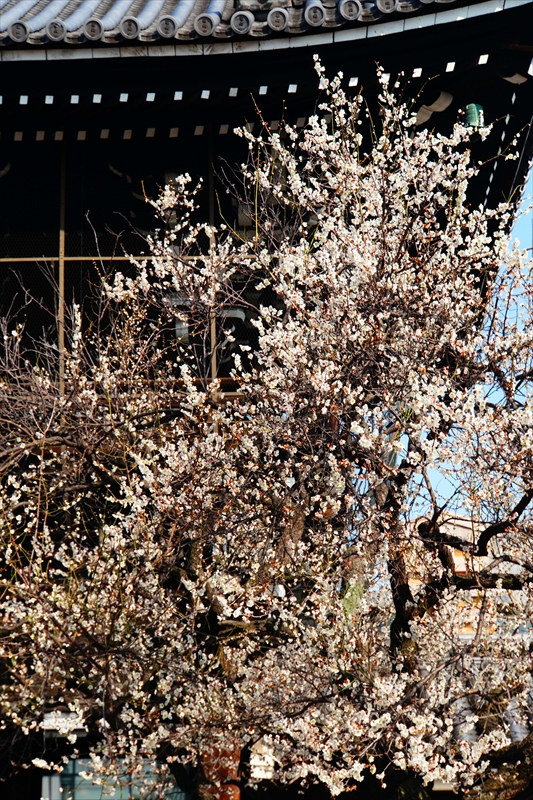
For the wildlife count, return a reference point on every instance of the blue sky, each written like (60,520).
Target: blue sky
(523,231)
(523,226)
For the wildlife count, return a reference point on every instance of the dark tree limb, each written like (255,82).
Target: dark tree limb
(510,774)
(500,527)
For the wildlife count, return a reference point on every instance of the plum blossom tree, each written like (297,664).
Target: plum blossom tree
(188,571)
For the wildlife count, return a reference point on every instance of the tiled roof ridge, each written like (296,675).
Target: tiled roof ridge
(102,23)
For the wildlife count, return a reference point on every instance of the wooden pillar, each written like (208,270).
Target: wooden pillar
(61,275)
(211,192)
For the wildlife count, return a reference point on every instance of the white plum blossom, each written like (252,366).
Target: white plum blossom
(197,562)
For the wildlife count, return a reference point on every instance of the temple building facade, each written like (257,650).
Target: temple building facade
(103,101)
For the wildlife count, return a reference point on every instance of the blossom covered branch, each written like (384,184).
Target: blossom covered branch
(218,536)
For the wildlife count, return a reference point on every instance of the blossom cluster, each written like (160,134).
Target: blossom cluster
(190,568)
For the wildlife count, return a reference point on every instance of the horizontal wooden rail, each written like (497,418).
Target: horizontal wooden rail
(40,259)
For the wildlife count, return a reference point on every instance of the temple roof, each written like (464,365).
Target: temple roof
(272,24)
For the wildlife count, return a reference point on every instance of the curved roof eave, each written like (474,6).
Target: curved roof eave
(114,28)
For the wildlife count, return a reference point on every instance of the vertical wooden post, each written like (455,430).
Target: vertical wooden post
(61,276)
(211,193)
(211,174)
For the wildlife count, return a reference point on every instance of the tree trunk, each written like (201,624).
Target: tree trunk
(219,779)
(510,774)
